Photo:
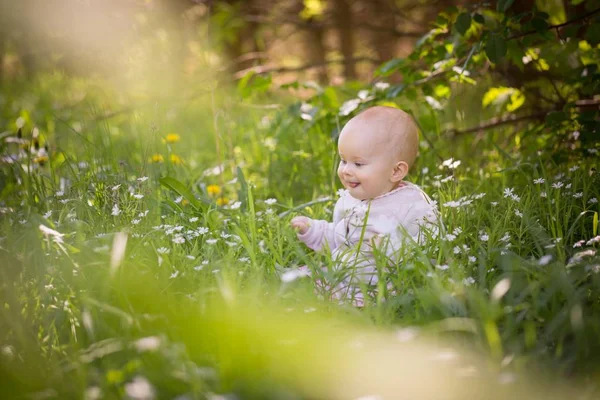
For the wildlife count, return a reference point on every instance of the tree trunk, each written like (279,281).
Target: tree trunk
(343,20)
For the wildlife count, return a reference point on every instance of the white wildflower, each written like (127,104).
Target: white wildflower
(545,260)
(508,192)
(211,241)
(115,210)
(468,281)
(163,250)
(558,185)
(442,267)
(451,164)
(518,213)
(484,237)
(135,221)
(494,203)
(270,202)
(202,230)
(450,237)
(578,195)
(574,168)
(452,204)
(142,179)
(178,200)
(56,236)
(456,250)
(293,274)
(539,181)
(381,85)
(138,196)
(174,275)
(116,187)
(60,193)
(140,389)
(198,267)
(48,214)
(472,259)
(579,244)
(194,219)
(543,194)
(149,343)
(593,200)
(178,239)
(349,106)
(236,205)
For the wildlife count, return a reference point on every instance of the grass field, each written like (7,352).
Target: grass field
(147,254)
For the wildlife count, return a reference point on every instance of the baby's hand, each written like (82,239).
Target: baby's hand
(301,224)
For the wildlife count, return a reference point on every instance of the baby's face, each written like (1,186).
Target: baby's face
(367,162)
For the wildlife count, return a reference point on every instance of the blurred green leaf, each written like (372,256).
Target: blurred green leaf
(179,188)
(463,23)
(495,48)
(503,5)
(592,35)
(389,67)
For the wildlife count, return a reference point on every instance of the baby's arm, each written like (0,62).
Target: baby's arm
(316,233)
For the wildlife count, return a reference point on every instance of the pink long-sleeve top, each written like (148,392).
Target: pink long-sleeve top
(389,220)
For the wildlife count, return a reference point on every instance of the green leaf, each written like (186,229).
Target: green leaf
(539,24)
(463,23)
(479,18)
(243,192)
(595,224)
(555,117)
(495,48)
(503,5)
(181,189)
(389,67)
(253,83)
(592,35)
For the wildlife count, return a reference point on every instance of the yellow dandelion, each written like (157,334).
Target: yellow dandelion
(172,138)
(175,159)
(40,159)
(213,190)
(184,202)
(157,158)
(222,201)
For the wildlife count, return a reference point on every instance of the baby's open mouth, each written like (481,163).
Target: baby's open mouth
(353,184)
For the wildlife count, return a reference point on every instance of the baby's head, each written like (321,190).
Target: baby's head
(377,148)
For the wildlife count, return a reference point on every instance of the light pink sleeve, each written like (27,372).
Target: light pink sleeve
(322,232)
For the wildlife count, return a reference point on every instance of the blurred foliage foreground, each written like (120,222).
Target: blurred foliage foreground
(146,251)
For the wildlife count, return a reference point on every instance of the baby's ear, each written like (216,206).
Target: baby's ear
(400,171)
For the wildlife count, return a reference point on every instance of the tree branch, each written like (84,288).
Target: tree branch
(264,69)
(496,122)
(577,19)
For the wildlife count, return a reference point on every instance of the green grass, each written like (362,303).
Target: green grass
(509,279)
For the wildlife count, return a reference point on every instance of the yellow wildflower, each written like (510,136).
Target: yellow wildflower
(213,190)
(157,158)
(40,159)
(172,138)
(175,159)
(222,201)
(184,202)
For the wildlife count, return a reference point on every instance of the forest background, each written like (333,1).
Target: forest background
(153,152)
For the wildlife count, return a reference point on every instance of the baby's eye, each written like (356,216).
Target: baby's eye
(343,161)
(358,164)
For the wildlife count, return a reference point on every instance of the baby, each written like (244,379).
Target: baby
(379,212)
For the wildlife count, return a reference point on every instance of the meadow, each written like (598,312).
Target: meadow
(146,250)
